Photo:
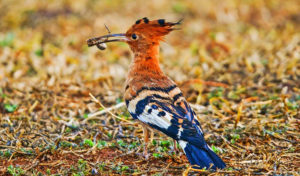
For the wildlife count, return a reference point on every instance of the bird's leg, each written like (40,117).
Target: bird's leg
(175,146)
(146,141)
(152,135)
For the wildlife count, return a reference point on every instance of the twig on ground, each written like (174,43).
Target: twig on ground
(106,110)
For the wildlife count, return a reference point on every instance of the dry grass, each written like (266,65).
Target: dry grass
(237,62)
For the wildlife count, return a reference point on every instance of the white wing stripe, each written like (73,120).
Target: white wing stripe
(153,118)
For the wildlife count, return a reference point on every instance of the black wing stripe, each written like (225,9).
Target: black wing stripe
(160,97)
(168,109)
(141,104)
(159,89)
(177,96)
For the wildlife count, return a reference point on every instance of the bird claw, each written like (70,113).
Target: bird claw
(145,153)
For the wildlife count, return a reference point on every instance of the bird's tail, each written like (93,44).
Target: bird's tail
(201,157)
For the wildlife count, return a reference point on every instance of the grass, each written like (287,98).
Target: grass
(237,63)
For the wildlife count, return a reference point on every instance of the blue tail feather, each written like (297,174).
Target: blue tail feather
(203,157)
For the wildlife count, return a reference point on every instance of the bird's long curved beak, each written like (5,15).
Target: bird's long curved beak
(106,39)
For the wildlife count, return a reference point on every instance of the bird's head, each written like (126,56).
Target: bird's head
(142,35)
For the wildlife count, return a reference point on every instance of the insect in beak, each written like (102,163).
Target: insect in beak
(100,41)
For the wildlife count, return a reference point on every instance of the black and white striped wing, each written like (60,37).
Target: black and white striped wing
(170,119)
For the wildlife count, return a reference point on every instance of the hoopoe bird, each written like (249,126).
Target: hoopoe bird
(154,99)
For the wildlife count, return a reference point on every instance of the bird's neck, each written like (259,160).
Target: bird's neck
(146,62)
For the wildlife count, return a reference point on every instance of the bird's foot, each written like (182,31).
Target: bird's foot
(175,149)
(145,153)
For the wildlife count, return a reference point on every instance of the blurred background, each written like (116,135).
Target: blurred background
(44,42)
(226,52)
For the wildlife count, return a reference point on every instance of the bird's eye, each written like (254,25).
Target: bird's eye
(134,36)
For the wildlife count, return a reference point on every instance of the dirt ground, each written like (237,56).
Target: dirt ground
(237,63)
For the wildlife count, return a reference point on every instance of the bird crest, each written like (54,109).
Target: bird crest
(154,29)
